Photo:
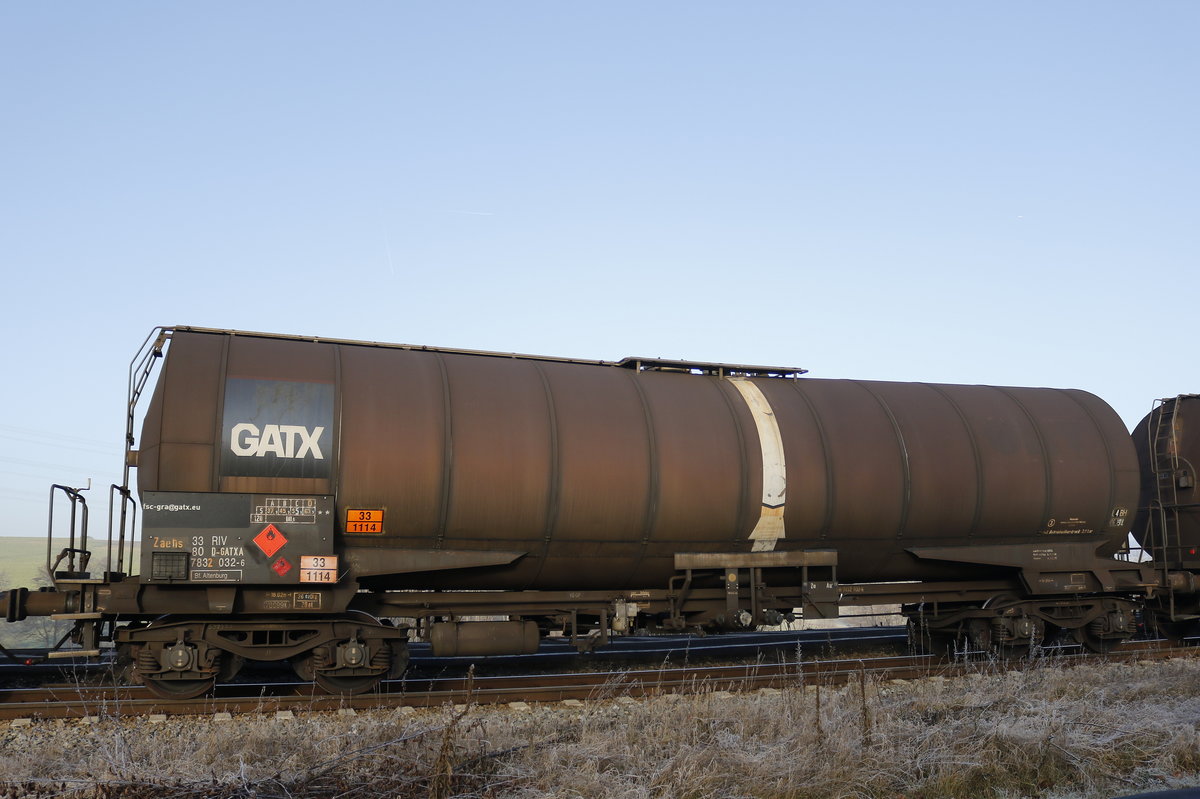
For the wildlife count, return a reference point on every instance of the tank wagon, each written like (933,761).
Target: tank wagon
(298,495)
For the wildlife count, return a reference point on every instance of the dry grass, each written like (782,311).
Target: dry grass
(1086,732)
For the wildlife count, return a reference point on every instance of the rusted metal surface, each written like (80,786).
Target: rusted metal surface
(601,474)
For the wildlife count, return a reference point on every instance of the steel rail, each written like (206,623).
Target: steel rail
(130,701)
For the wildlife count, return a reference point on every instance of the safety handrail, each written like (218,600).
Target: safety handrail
(140,369)
(78,524)
(127,501)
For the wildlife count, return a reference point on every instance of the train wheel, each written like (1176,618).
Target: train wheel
(231,665)
(333,683)
(1096,643)
(400,658)
(943,644)
(1093,643)
(1108,630)
(1014,651)
(979,635)
(939,643)
(124,665)
(353,658)
(347,685)
(304,667)
(176,671)
(1174,631)
(315,667)
(177,689)
(984,637)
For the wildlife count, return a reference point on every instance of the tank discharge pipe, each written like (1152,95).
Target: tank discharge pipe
(480,638)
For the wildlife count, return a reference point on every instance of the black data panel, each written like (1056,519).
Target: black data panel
(237,538)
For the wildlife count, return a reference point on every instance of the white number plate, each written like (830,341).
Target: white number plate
(318,568)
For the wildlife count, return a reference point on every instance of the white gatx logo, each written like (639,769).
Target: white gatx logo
(280,440)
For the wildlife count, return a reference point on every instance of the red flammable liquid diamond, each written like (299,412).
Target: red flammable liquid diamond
(281,566)
(270,540)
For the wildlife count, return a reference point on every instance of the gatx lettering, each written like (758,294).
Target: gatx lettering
(280,440)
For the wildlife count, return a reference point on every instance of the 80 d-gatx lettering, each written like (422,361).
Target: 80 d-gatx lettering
(280,440)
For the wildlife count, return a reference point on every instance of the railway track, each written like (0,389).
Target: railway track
(35,668)
(554,648)
(90,702)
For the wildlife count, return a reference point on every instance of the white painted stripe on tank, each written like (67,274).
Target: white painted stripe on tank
(769,529)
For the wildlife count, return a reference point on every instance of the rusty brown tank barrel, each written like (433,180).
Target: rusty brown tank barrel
(600,473)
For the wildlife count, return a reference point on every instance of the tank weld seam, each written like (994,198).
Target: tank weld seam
(652,497)
(977,516)
(335,469)
(1047,507)
(1108,456)
(827,456)
(219,417)
(555,487)
(905,464)
(743,526)
(447,454)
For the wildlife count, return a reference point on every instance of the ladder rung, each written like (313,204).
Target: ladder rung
(73,653)
(75,616)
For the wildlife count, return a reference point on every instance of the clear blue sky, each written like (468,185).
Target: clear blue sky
(976,192)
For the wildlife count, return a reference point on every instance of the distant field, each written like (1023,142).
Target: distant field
(23,564)
(21,560)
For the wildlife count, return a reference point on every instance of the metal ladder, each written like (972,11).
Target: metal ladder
(1164,508)
(121,496)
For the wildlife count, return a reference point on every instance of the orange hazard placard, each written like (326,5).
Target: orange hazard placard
(367,521)
(270,540)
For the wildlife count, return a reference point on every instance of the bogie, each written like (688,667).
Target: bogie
(183,658)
